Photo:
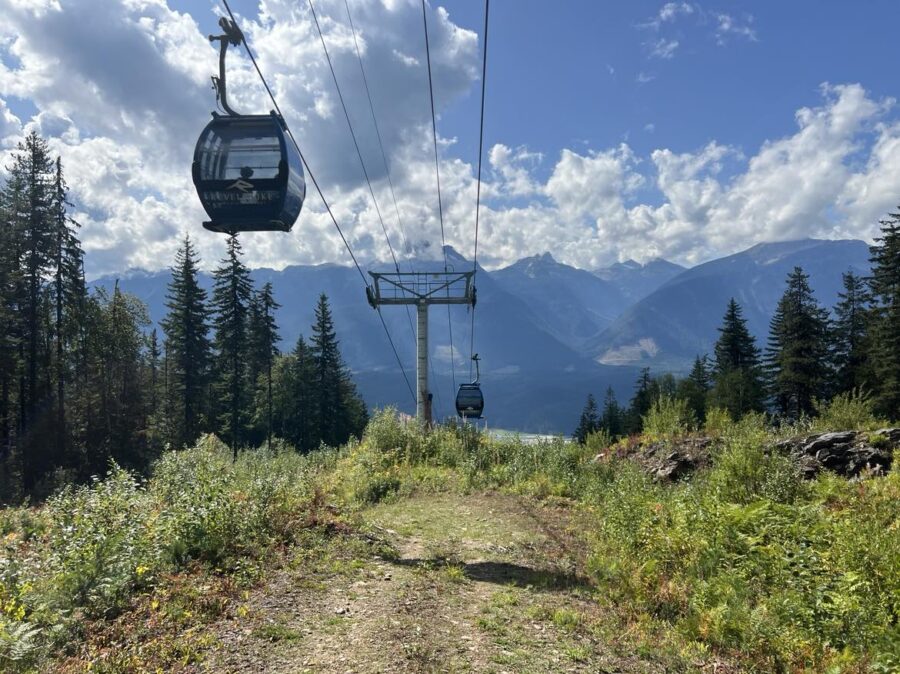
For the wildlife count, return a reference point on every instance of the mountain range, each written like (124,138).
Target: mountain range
(547,333)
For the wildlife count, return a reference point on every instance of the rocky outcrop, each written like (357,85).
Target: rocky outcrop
(666,460)
(847,453)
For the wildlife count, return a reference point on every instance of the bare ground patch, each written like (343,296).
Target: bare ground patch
(446,583)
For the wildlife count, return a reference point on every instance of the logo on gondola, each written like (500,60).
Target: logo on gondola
(241,185)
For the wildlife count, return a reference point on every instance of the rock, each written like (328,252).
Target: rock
(848,453)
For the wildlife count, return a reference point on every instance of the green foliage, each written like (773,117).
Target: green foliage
(797,352)
(669,417)
(852,410)
(716,422)
(95,546)
(737,378)
(749,557)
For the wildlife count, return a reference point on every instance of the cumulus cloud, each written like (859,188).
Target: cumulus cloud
(123,101)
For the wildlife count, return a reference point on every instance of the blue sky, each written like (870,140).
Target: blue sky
(685,130)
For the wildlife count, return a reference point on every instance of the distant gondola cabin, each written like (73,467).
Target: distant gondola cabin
(470,401)
(248,174)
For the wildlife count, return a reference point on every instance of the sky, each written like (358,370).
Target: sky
(613,130)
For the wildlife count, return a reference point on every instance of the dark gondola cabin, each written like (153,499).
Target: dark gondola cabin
(248,174)
(470,401)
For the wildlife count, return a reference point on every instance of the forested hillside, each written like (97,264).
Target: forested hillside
(84,381)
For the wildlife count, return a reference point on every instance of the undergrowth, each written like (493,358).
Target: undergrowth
(746,560)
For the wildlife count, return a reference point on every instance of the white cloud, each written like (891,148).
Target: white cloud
(663,48)
(123,103)
(727,25)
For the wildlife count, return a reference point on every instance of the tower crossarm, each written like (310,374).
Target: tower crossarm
(421,287)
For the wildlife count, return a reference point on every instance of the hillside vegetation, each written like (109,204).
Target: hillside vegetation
(746,566)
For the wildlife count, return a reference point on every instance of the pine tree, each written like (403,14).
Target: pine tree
(188,346)
(263,349)
(695,387)
(737,377)
(885,328)
(849,333)
(232,292)
(797,350)
(589,421)
(611,416)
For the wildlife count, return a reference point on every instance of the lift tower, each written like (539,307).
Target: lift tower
(421,289)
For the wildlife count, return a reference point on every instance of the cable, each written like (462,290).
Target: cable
(383,155)
(396,355)
(437,171)
(362,163)
(387,172)
(318,189)
(487,9)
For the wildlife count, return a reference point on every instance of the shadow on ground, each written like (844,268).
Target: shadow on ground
(505,573)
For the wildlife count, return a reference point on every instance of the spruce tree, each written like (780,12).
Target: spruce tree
(31,215)
(232,292)
(611,415)
(695,387)
(849,333)
(737,376)
(302,418)
(797,350)
(263,349)
(885,326)
(68,294)
(335,399)
(188,346)
(589,421)
(640,403)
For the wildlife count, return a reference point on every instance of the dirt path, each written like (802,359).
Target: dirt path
(478,583)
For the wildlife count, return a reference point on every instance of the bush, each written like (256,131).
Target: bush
(669,417)
(853,410)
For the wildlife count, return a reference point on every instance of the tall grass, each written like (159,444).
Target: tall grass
(92,547)
(746,558)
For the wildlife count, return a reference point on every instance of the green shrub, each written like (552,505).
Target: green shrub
(669,417)
(717,421)
(853,410)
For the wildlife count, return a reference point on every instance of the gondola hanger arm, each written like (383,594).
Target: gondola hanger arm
(232,36)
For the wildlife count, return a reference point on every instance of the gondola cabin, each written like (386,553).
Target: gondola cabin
(248,174)
(470,401)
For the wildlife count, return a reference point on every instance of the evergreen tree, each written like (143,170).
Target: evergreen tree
(611,416)
(68,293)
(850,335)
(301,419)
(885,329)
(117,428)
(797,350)
(589,421)
(640,403)
(695,387)
(188,346)
(10,320)
(328,375)
(263,349)
(341,412)
(232,292)
(737,377)
(31,215)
